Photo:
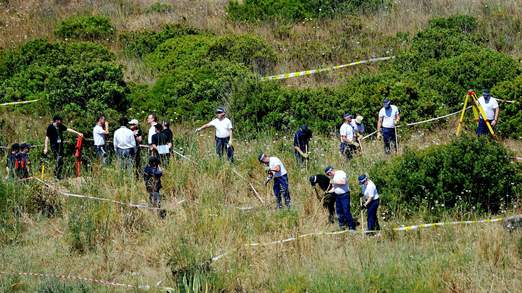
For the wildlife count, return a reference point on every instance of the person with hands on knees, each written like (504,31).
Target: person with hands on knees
(370,202)
(277,172)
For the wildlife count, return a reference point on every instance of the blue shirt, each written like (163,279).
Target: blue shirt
(301,140)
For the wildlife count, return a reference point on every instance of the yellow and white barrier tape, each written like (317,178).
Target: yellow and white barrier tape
(132,205)
(84,279)
(314,71)
(18,103)
(430,225)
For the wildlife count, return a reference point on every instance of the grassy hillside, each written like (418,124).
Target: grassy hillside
(125,61)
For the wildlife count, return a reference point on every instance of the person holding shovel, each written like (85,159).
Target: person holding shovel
(277,172)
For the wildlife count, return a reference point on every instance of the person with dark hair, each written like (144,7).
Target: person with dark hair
(152,120)
(277,171)
(389,116)
(328,199)
(124,146)
(10,166)
(224,128)
(99,134)
(138,137)
(152,176)
(159,147)
(23,162)
(168,132)
(339,187)
(54,136)
(491,109)
(301,140)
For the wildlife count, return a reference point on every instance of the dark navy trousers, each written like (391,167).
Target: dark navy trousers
(281,187)
(342,207)
(373,221)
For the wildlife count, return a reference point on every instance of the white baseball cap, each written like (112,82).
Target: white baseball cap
(134,122)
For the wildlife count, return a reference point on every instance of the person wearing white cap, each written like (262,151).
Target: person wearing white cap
(388,118)
(99,132)
(138,137)
(224,128)
(348,144)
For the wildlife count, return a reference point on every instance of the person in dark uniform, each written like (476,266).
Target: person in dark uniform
(301,140)
(328,199)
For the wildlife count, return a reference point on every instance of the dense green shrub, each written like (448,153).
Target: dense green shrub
(461,23)
(141,43)
(248,50)
(295,10)
(468,174)
(510,122)
(181,51)
(85,28)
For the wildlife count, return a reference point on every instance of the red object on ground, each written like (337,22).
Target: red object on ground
(78,155)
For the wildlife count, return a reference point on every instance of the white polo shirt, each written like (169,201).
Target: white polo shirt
(346,130)
(273,162)
(370,191)
(489,107)
(340,188)
(98,133)
(152,131)
(223,127)
(388,116)
(124,139)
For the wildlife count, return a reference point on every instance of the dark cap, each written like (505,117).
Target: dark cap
(328,169)
(362,178)
(486,92)
(313,180)
(261,157)
(346,116)
(386,103)
(25,146)
(15,146)
(220,110)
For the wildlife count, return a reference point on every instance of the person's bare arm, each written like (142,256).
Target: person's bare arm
(379,124)
(203,127)
(497,112)
(75,132)
(277,168)
(46,144)
(397,118)
(230,140)
(106,129)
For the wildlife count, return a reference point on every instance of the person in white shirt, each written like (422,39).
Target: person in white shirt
(224,128)
(347,134)
(277,171)
(388,118)
(99,132)
(490,106)
(341,190)
(152,120)
(370,201)
(124,146)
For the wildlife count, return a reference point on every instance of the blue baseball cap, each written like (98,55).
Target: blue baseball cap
(261,157)
(220,110)
(345,116)
(328,169)
(362,178)
(486,93)
(386,103)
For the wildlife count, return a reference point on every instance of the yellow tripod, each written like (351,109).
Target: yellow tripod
(477,110)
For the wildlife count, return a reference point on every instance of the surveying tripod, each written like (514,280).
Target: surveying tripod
(477,111)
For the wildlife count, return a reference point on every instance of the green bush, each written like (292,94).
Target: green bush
(160,7)
(510,122)
(468,174)
(139,44)
(248,50)
(85,28)
(461,23)
(180,51)
(296,10)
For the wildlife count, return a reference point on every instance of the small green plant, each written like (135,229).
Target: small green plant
(160,7)
(85,28)
(89,226)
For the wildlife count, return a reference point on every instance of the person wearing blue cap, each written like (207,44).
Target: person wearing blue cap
(388,118)
(224,128)
(301,140)
(341,190)
(277,171)
(370,201)
(347,134)
(490,106)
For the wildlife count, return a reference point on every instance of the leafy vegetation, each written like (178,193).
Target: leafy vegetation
(295,10)
(455,176)
(85,28)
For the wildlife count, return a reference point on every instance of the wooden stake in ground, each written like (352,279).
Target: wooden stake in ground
(251,186)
